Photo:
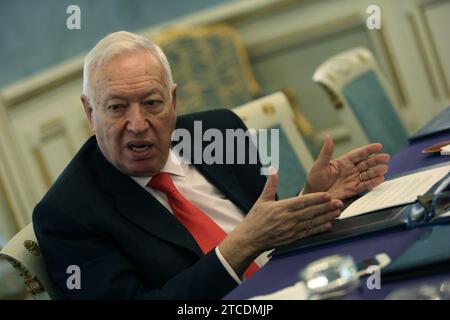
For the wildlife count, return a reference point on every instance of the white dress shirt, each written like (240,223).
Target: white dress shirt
(205,196)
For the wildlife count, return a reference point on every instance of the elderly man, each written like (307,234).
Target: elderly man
(141,223)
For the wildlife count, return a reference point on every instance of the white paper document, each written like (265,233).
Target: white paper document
(445,151)
(396,192)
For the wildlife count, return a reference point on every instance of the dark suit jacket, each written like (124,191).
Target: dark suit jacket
(127,245)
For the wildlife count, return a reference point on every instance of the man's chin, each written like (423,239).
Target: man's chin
(143,169)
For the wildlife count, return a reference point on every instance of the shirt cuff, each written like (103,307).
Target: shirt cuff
(227,266)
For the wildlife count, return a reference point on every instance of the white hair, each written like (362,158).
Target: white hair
(117,43)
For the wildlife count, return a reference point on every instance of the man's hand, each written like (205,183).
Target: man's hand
(271,223)
(358,171)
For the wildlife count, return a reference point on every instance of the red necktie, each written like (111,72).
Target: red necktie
(204,230)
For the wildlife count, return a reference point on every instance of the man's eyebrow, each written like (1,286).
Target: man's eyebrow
(115,96)
(152,91)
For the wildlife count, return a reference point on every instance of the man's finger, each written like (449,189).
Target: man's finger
(326,153)
(374,172)
(370,184)
(317,210)
(270,188)
(373,161)
(359,154)
(303,201)
(303,233)
(319,220)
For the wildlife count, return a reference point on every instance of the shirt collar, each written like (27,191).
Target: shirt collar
(172,166)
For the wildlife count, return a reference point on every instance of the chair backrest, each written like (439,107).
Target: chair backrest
(295,160)
(23,253)
(210,66)
(363,99)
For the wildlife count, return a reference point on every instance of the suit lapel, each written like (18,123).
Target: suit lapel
(141,208)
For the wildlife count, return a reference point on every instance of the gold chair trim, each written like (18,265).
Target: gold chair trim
(32,247)
(33,285)
(178,32)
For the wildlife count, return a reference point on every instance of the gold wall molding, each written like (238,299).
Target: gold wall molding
(423,55)
(429,3)
(302,34)
(9,203)
(42,82)
(237,12)
(14,178)
(42,167)
(385,47)
(429,35)
(49,130)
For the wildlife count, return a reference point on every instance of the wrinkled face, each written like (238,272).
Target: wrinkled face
(132,113)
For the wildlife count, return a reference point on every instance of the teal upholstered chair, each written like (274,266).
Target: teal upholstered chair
(295,161)
(362,98)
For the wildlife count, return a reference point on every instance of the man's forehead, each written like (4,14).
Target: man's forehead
(135,94)
(129,74)
(131,65)
(129,83)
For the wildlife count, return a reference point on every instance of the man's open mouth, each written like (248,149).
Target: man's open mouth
(139,147)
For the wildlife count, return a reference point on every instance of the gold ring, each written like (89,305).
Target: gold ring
(360,177)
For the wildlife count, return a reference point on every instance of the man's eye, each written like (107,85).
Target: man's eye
(152,103)
(116,107)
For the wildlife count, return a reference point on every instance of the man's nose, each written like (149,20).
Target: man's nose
(137,122)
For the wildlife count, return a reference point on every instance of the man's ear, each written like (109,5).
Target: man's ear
(87,110)
(174,96)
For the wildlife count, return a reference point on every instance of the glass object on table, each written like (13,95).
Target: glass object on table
(330,277)
(439,291)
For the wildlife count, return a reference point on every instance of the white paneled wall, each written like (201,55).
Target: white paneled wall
(49,136)
(436,21)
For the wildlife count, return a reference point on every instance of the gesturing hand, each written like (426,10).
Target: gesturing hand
(357,171)
(271,223)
